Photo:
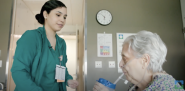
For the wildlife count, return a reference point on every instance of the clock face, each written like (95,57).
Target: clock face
(104,17)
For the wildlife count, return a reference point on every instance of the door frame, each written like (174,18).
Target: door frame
(10,44)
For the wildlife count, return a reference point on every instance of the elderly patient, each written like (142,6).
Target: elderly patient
(143,55)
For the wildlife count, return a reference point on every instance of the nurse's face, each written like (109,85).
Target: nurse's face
(130,65)
(56,19)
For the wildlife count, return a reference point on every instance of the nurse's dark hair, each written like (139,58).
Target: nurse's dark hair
(48,6)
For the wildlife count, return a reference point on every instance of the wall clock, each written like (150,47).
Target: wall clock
(104,17)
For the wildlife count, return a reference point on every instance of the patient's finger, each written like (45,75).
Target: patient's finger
(94,89)
(100,85)
(97,87)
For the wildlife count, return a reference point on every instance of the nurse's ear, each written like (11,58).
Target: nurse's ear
(145,61)
(45,14)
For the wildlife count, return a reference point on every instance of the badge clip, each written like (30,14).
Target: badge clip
(61,58)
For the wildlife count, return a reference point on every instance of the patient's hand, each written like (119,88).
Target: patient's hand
(100,87)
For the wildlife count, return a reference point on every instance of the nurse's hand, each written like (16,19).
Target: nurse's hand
(100,87)
(72,84)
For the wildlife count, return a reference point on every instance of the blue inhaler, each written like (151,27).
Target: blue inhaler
(109,85)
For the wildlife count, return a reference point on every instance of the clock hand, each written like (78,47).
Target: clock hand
(103,16)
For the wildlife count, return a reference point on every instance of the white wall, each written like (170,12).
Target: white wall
(71,55)
(24,19)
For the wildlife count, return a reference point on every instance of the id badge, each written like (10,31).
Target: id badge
(60,73)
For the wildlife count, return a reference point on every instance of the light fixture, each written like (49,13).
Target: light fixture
(18,36)
(61,36)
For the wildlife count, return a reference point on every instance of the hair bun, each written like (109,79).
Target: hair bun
(39,18)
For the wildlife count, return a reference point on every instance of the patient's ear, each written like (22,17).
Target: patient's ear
(145,60)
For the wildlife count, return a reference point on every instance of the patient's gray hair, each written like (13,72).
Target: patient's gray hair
(145,42)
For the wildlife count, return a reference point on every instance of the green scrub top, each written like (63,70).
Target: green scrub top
(48,80)
(35,61)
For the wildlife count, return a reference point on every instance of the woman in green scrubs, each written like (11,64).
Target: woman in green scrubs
(39,51)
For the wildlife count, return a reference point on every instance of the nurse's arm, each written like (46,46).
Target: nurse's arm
(24,55)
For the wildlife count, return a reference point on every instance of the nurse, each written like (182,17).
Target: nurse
(40,57)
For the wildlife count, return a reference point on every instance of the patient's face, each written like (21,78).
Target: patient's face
(133,68)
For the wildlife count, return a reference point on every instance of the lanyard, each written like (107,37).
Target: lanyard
(61,57)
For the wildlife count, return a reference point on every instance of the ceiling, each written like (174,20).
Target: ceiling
(75,12)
